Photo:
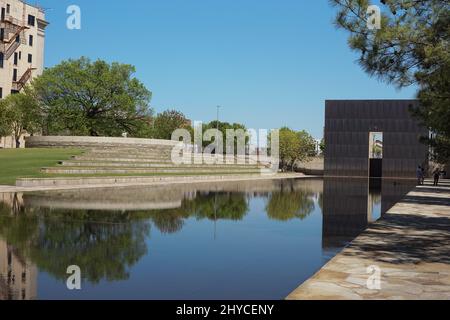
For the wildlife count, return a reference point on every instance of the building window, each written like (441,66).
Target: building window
(15,75)
(30,58)
(31,20)
(30,41)
(20,55)
(8,8)
(16,57)
(1,59)
(2,34)
(1,93)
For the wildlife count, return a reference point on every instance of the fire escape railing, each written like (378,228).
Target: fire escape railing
(14,41)
(18,85)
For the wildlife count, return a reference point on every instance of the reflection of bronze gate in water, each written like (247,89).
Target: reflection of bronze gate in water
(349,205)
(376,168)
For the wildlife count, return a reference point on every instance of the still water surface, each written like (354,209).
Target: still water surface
(229,240)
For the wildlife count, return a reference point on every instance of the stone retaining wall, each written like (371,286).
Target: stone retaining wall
(91,142)
(313,167)
(136,180)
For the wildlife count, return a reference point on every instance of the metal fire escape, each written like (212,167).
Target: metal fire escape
(13,37)
(18,85)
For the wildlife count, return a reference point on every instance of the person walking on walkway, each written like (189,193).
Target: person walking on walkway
(436,175)
(419,175)
(423,175)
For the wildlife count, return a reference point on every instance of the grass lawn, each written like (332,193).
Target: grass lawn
(26,163)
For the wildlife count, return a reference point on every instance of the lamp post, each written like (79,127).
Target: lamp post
(217,123)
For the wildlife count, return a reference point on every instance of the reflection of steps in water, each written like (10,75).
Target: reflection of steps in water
(122,199)
(49,202)
(157,197)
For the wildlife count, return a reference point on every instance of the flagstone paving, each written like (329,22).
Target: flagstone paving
(410,245)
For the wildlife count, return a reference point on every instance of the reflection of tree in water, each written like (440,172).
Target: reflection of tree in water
(104,244)
(55,239)
(216,206)
(212,206)
(168,221)
(289,204)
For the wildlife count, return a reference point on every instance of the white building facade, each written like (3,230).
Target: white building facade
(22,38)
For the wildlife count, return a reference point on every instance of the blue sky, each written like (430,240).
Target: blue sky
(269,63)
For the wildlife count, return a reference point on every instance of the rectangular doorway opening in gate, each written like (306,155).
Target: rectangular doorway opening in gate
(376,154)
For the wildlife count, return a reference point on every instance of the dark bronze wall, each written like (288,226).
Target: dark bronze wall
(347,127)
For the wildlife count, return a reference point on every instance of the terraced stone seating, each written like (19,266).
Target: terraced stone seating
(141,157)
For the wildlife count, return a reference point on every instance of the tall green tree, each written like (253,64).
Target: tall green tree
(295,146)
(167,122)
(18,113)
(307,145)
(223,127)
(322,145)
(289,145)
(412,46)
(5,123)
(81,97)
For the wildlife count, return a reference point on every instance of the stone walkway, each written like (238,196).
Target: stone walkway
(410,246)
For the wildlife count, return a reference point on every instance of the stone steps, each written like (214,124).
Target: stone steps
(135,152)
(122,160)
(122,156)
(103,157)
(168,170)
(134,157)
(152,165)
(134,148)
(129,155)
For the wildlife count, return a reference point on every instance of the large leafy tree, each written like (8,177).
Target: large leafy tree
(223,127)
(81,97)
(411,47)
(167,122)
(295,146)
(307,145)
(18,113)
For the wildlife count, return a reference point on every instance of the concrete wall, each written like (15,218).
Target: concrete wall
(347,127)
(312,167)
(92,142)
(10,143)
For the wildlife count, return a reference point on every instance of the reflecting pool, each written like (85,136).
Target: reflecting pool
(228,240)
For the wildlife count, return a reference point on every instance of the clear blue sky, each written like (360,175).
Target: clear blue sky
(270,63)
